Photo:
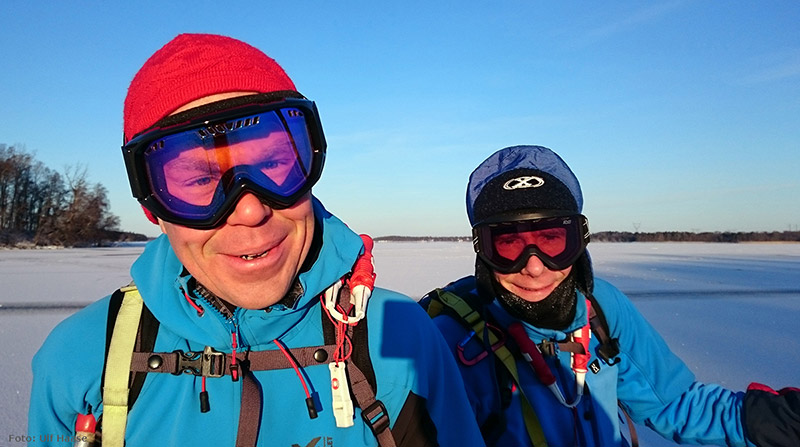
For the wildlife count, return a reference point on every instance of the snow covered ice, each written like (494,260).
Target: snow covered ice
(730,311)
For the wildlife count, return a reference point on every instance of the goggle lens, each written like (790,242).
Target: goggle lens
(195,175)
(510,245)
(507,246)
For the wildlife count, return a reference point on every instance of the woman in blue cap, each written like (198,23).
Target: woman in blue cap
(551,355)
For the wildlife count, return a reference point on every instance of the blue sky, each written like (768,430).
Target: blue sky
(675,115)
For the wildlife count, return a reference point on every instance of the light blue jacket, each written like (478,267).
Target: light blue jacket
(408,356)
(654,386)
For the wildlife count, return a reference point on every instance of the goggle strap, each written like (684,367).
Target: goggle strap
(219,106)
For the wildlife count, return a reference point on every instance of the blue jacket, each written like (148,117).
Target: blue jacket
(408,356)
(652,384)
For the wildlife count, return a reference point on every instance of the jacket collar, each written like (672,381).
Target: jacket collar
(157,274)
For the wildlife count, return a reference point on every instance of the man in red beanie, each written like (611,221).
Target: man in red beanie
(254,298)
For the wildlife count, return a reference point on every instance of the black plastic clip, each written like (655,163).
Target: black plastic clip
(609,352)
(209,363)
(377,422)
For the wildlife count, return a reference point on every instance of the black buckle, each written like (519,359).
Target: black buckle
(549,348)
(609,352)
(209,363)
(378,422)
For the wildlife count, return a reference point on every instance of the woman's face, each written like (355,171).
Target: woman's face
(534,282)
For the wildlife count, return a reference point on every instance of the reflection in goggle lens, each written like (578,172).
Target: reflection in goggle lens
(556,241)
(191,173)
(551,242)
(192,169)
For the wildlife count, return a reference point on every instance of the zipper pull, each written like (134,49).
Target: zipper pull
(234,365)
(205,407)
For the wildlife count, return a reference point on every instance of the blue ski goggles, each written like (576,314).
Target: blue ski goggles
(192,172)
(506,242)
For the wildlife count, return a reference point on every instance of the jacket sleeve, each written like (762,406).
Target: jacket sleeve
(66,376)
(436,407)
(703,414)
(658,389)
(48,415)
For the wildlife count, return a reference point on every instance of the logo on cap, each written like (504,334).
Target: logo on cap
(528,181)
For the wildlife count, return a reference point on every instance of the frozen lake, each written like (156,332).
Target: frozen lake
(730,311)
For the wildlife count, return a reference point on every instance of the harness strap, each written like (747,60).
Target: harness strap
(211,363)
(609,347)
(551,349)
(126,354)
(477,323)
(634,436)
(115,388)
(250,411)
(373,412)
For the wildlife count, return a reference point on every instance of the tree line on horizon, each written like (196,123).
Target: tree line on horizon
(41,206)
(625,236)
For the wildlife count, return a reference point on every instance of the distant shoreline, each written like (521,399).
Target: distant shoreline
(623,236)
(603,236)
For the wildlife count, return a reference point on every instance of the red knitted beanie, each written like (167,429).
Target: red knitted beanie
(193,66)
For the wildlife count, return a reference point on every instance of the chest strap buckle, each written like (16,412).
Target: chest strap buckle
(209,363)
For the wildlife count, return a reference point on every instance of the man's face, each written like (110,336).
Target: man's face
(252,259)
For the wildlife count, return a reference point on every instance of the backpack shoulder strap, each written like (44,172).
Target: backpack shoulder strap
(609,347)
(461,288)
(458,299)
(359,338)
(117,365)
(145,342)
(608,352)
(113,309)
(361,375)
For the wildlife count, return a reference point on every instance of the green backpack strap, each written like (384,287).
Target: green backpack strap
(475,320)
(117,369)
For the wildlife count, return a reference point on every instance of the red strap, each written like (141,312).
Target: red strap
(532,354)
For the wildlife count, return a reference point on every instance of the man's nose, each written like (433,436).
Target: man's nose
(249,210)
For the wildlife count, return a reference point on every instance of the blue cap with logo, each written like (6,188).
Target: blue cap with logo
(522,179)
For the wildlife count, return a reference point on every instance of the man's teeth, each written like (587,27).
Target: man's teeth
(251,257)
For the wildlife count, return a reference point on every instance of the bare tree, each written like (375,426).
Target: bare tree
(85,219)
(41,204)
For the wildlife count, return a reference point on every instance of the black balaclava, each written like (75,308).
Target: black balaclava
(527,179)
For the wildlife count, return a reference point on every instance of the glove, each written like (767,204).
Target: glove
(772,418)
